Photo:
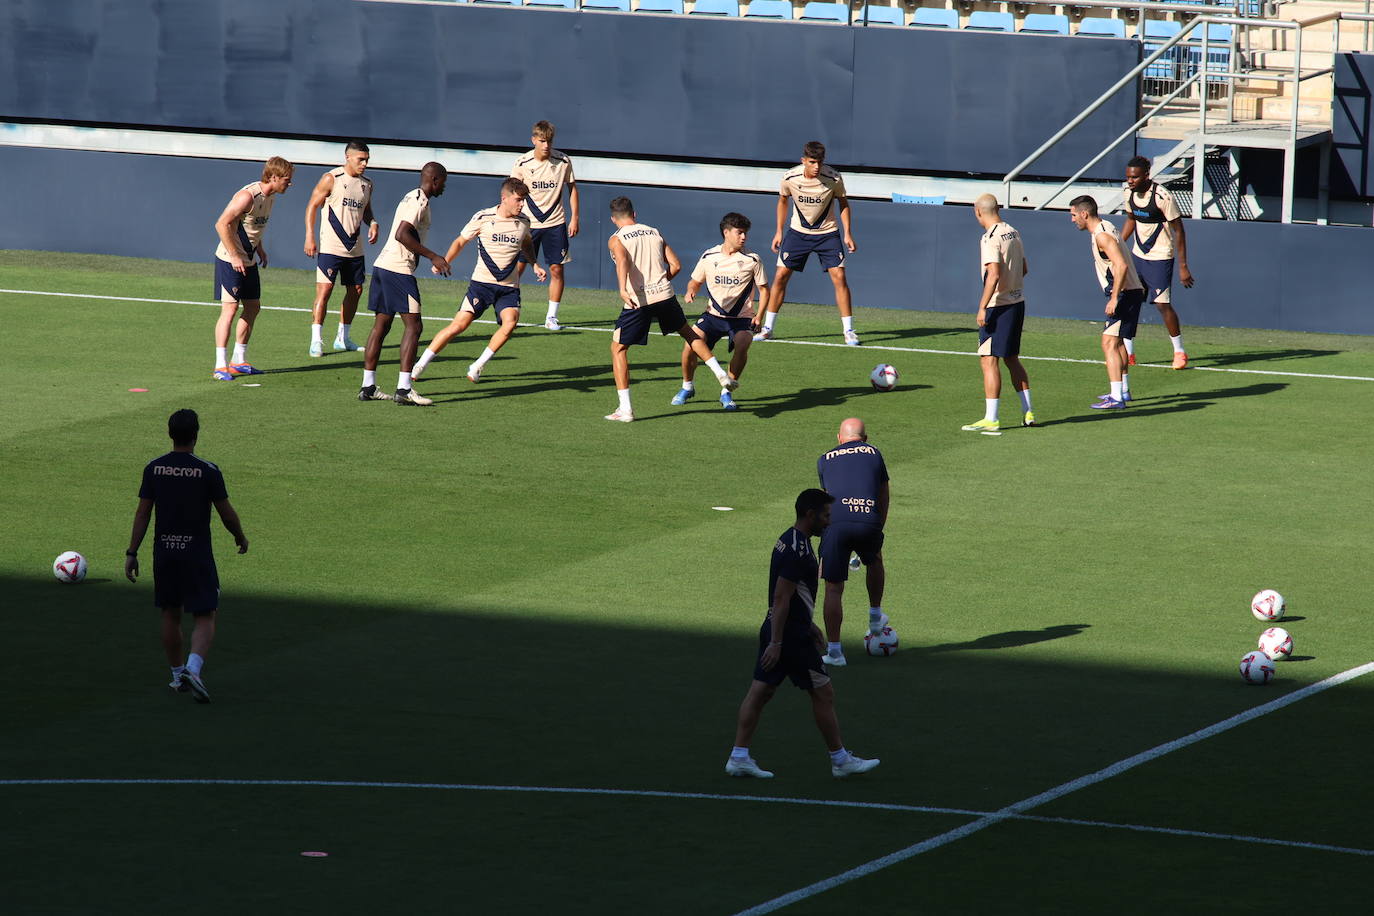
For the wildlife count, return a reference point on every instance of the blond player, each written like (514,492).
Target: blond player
(1001,313)
(241,228)
(1125,295)
(547,173)
(1155,225)
(346,195)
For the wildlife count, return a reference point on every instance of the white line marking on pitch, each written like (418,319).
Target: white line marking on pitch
(1010,811)
(796,343)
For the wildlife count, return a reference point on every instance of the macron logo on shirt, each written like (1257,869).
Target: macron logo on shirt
(853,450)
(163,470)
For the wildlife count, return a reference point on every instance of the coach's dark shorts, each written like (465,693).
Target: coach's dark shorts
(189,582)
(714,327)
(550,244)
(843,538)
(392,293)
(348,271)
(1158,277)
(1123,323)
(797,248)
(482,296)
(800,660)
(1001,334)
(232,286)
(632,327)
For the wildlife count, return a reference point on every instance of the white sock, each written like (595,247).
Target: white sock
(240,353)
(768,319)
(847,322)
(624,395)
(714,365)
(194,663)
(343,331)
(989,408)
(834,650)
(1025,399)
(403,381)
(688,385)
(424,359)
(487,353)
(1116,391)
(1125,383)
(839,757)
(1130,346)
(221,357)
(315,330)
(369,377)
(553,309)
(1177,342)
(739,753)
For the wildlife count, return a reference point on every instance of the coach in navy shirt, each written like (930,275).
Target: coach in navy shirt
(854,473)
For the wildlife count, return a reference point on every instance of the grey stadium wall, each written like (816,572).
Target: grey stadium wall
(1263,275)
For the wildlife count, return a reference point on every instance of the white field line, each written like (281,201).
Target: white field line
(800,343)
(1034,801)
(705,796)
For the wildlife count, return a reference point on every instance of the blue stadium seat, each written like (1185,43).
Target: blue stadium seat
(1102,27)
(931,18)
(660,6)
(1045,24)
(880,15)
(615,6)
(1159,29)
(988,21)
(554,4)
(495,2)
(716,8)
(819,11)
(769,9)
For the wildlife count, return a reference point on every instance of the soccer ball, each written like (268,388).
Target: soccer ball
(69,567)
(1256,668)
(1267,605)
(883,377)
(885,643)
(1276,643)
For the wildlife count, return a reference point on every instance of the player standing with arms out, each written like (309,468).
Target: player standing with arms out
(502,233)
(808,191)
(240,229)
(182,488)
(1125,295)
(1155,224)
(645,266)
(789,645)
(546,172)
(732,276)
(855,474)
(1001,313)
(346,195)
(394,290)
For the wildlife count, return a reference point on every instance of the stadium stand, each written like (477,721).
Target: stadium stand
(881,15)
(818,11)
(931,18)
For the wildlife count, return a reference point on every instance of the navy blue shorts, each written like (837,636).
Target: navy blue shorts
(800,660)
(714,327)
(550,244)
(797,247)
(1158,277)
(482,296)
(189,582)
(232,286)
(632,327)
(1000,335)
(348,271)
(1123,323)
(392,293)
(843,538)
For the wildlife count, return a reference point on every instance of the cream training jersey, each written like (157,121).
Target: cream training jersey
(395,257)
(499,241)
(1103,264)
(730,281)
(1153,211)
(648,263)
(811,199)
(341,231)
(547,181)
(253,224)
(1001,245)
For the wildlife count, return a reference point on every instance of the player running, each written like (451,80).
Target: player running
(1155,224)
(1125,295)
(346,195)
(547,172)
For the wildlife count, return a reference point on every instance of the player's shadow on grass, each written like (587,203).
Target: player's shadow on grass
(806,398)
(1010,639)
(1151,405)
(1261,356)
(891,336)
(495,384)
(1301,658)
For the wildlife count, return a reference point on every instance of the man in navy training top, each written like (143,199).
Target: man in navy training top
(854,473)
(789,645)
(183,487)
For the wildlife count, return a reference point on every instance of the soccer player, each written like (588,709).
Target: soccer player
(789,645)
(546,172)
(394,290)
(182,488)
(347,194)
(645,265)
(240,228)
(1001,314)
(502,233)
(855,474)
(732,276)
(808,193)
(1155,223)
(1125,295)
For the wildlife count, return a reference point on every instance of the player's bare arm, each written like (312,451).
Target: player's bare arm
(407,236)
(782,220)
(992,275)
(1112,249)
(574,209)
(230,518)
(142,516)
(1181,251)
(312,212)
(373,229)
(674,264)
(845,221)
(693,287)
(620,257)
(238,205)
(782,604)
(527,249)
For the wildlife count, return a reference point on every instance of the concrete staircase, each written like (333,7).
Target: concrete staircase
(1272,52)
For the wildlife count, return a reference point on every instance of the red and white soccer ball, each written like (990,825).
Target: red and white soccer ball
(1256,668)
(885,643)
(69,567)
(1267,605)
(1276,643)
(884,377)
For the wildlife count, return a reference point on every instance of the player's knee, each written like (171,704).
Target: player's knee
(556,271)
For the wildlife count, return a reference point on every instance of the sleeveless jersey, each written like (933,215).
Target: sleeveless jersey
(648,267)
(341,233)
(395,257)
(499,240)
(251,227)
(811,199)
(1153,212)
(1103,264)
(546,181)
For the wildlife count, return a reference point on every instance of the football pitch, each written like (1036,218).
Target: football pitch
(487,655)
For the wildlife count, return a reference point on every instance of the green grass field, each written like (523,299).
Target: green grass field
(441,607)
